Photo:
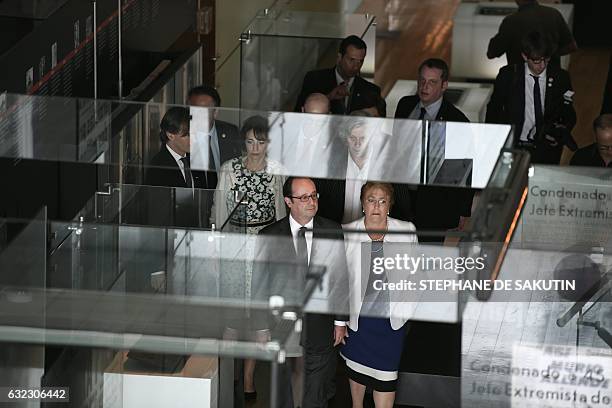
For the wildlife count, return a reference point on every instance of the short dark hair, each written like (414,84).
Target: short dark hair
(205,90)
(537,45)
(354,41)
(435,63)
(603,121)
(288,185)
(174,121)
(259,126)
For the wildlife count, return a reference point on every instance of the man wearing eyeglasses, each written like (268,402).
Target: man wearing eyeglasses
(291,247)
(537,98)
(429,102)
(598,154)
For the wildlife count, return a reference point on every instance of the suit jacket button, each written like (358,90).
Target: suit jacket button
(222,135)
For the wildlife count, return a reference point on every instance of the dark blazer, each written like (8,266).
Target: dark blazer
(528,18)
(271,277)
(448,112)
(164,171)
(161,206)
(230,142)
(507,105)
(435,207)
(324,81)
(588,156)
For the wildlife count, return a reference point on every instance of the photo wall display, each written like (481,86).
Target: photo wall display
(57,57)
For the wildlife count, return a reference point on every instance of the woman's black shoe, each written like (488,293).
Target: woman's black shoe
(250,396)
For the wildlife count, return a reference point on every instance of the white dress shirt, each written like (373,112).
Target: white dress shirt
(177,157)
(349,86)
(431,110)
(295,229)
(529,125)
(355,179)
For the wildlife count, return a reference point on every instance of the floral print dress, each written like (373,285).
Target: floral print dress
(262,205)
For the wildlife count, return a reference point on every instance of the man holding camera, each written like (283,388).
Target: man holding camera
(537,98)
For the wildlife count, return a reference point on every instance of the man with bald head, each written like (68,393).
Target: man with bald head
(294,248)
(598,154)
(316,103)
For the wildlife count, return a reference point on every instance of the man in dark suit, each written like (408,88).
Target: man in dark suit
(537,98)
(307,240)
(529,17)
(223,139)
(429,102)
(434,207)
(342,84)
(171,166)
(598,154)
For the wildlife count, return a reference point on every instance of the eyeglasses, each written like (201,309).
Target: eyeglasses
(372,201)
(538,60)
(604,147)
(305,198)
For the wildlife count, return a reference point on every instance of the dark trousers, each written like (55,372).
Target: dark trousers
(319,386)
(319,373)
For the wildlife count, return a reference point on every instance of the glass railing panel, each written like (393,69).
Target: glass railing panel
(279,47)
(298,144)
(568,208)
(55,128)
(129,204)
(307,24)
(463,153)
(176,291)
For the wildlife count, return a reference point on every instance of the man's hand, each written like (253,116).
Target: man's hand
(552,142)
(340,332)
(339,92)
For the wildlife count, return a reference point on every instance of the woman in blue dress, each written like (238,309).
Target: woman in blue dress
(375,338)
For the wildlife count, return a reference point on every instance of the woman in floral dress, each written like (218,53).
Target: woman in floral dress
(254,184)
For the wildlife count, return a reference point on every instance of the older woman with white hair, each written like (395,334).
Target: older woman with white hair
(374,343)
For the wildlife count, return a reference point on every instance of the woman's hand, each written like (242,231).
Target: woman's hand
(340,332)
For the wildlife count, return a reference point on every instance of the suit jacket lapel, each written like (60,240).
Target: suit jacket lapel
(285,231)
(355,93)
(338,103)
(442,111)
(519,100)
(316,235)
(173,167)
(548,92)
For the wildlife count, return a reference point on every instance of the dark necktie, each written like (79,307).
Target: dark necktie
(187,165)
(211,157)
(302,248)
(346,101)
(537,104)
(423,113)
